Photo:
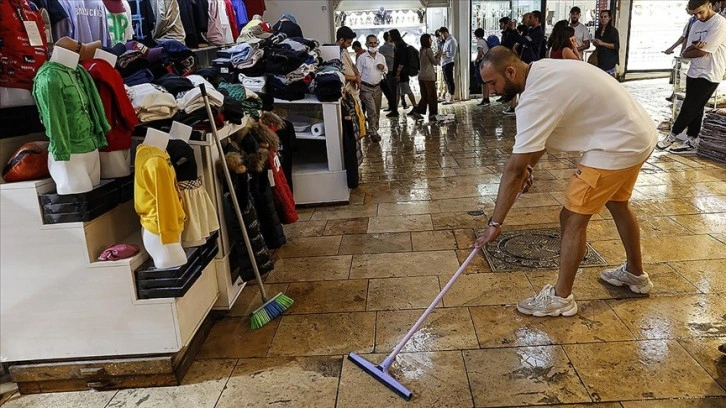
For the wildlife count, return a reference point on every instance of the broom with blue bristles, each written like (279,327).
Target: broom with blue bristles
(271,308)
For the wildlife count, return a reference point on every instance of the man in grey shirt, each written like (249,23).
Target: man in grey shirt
(448,55)
(387,85)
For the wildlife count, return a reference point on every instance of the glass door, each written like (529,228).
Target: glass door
(654,26)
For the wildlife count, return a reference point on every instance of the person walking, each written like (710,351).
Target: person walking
(560,99)
(427,80)
(707,52)
(372,67)
(400,70)
(448,56)
(607,42)
(386,49)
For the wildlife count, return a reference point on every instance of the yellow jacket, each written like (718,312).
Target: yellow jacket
(156,198)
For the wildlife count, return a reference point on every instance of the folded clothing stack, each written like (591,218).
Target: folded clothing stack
(289,92)
(151,102)
(192,100)
(249,101)
(328,83)
(256,83)
(712,141)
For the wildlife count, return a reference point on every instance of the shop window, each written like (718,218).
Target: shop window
(654,26)
(485,14)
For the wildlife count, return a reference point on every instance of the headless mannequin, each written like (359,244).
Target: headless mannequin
(180,131)
(117,163)
(164,255)
(83,170)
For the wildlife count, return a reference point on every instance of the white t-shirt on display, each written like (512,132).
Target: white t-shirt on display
(712,65)
(570,106)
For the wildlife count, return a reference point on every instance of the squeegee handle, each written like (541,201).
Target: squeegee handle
(389,360)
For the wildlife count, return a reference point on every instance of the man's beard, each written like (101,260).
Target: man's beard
(510,91)
(574,20)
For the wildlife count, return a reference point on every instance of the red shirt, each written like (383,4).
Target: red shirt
(255,7)
(19,61)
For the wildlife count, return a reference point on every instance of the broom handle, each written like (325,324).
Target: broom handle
(389,360)
(235,203)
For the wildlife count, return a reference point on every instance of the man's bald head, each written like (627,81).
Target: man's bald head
(500,58)
(503,72)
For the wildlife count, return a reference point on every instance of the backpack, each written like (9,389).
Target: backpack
(492,41)
(414,61)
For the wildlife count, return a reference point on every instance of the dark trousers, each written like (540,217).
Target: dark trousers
(392,96)
(449,78)
(387,91)
(698,92)
(428,98)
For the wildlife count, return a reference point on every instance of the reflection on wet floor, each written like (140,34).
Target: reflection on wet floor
(362,273)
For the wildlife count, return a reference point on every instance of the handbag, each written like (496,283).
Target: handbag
(592,59)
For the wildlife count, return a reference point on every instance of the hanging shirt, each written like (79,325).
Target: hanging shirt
(168,21)
(229,9)
(156,198)
(255,7)
(70,110)
(118,19)
(240,13)
(219,31)
(90,22)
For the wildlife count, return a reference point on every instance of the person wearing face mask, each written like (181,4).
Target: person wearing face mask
(550,117)
(372,67)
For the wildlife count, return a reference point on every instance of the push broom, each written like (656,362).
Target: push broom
(380,371)
(271,308)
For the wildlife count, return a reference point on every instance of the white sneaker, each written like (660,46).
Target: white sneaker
(620,276)
(687,148)
(546,303)
(666,142)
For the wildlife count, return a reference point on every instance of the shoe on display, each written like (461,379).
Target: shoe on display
(509,112)
(620,276)
(547,303)
(687,148)
(666,142)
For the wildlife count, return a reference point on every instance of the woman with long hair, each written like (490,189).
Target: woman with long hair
(427,80)
(607,42)
(563,44)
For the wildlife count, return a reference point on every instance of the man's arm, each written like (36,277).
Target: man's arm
(515,179)
(585,45)
(694,52)
(670,49)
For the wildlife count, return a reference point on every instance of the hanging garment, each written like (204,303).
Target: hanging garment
(20,60)
(240,13)
(255,7)
(200,8)
(116,104)
(229,9)
(201,217)
(219,31)
(168,21)
(88,20)
(187,17)
(281,193)
(70,109)
(118,20)
(156,198)
(148,18)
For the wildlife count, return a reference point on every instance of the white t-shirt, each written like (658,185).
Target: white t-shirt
(582,34)
(713,32)
(482,43)
(571,106)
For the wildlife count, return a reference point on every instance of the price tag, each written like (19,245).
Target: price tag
(36,39)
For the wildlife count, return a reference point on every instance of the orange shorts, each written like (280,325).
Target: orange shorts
(590,189)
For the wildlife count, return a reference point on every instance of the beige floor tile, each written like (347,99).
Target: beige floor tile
(464,238)
(464,191)
(720,237)
(283,382)
(404,264)
(503,326)
(664,249)
(487,289)
(328,296)
(708,275)
(477,265)
(357,197)
(400,223)
(452,205)
(324,334)
(61,400)
(250,298)
(201,387)
(350,211)
(459,220)
(650,227)
(304,214)
(703,223)
(712,204)
(233,338)
(523,376)
(346,226)
(536,200)
(433,240)
(402,293)
(396,195)
(407,208)
(673,206)
(588,405)
(534,215)
(436,379)
(661,369)
(311,269)
(444,329)
(673,317)
(305,229)
(311,246)
(678,403)
(706,353)
(376,243)
(589,286)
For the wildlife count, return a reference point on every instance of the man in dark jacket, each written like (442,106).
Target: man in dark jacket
(508,39)
(531,43)
(400,69)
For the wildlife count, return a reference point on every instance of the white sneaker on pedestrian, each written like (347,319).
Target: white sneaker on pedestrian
(620,276)
(666,142)
(510,112)
(687,148)
(546,303)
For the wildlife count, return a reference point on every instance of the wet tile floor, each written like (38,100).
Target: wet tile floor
(362,273)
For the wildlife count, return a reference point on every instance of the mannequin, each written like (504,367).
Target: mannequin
(117,163)
(169,254)
(83,171)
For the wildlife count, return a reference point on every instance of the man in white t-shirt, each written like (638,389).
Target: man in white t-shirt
(706,48)
(582,34)
(481,50)
(615,134)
